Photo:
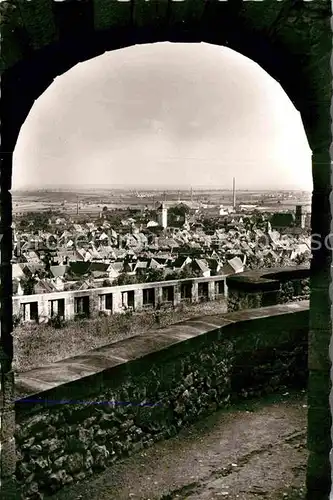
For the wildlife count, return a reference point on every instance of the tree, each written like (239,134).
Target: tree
(284,261)
(107,282)
(125,279)
(177,215)
(187,273)
(180,210)
(47,259)
(303,258)
(28,284)
(154,275)
(174,275)
(23,224)
(40,220)
(114,219)
(209,225)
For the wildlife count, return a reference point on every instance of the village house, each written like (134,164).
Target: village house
(90,252)
(233,266)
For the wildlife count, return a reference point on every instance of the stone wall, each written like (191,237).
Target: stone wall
(263,288)
(294,290)
(78,422)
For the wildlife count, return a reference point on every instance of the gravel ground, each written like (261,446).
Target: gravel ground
(255,451)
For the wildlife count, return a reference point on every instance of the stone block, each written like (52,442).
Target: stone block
(7,390)
(319,356)
(7,425)
(319,387)
(10,488)
(8,458)
(318,477)
(319,430)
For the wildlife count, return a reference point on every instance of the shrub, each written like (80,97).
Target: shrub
(16,320)
(35,345)
(80,316)
(57,322)
(102,314)
(107,282)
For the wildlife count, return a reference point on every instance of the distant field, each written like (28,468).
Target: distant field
(93,201)
(71,208)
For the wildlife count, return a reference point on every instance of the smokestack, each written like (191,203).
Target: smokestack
(234,193)
(77,206)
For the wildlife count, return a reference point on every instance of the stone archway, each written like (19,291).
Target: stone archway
(291,40)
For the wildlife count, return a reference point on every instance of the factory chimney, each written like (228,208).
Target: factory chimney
(234,193)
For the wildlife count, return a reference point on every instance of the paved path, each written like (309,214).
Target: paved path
(255,452)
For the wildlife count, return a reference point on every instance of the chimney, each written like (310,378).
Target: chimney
(234,193)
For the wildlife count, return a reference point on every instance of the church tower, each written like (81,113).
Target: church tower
(163,216)
(300,216)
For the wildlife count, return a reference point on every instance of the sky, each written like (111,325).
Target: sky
(164,114)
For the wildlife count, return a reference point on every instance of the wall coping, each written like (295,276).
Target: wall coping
(41,382)
(266,279)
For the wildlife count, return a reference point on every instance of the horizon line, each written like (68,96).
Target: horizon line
(111,187)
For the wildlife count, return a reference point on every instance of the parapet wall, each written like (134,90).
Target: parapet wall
(245,290)
(266,287)
(116,299)
(91,410)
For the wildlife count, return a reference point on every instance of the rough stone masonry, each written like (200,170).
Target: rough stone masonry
(171,377)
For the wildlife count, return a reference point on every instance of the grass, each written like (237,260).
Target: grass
(37,345)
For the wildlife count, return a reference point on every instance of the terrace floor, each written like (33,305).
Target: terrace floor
(254,451)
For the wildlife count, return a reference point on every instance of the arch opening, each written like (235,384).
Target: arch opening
(183,124)
(281,41)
